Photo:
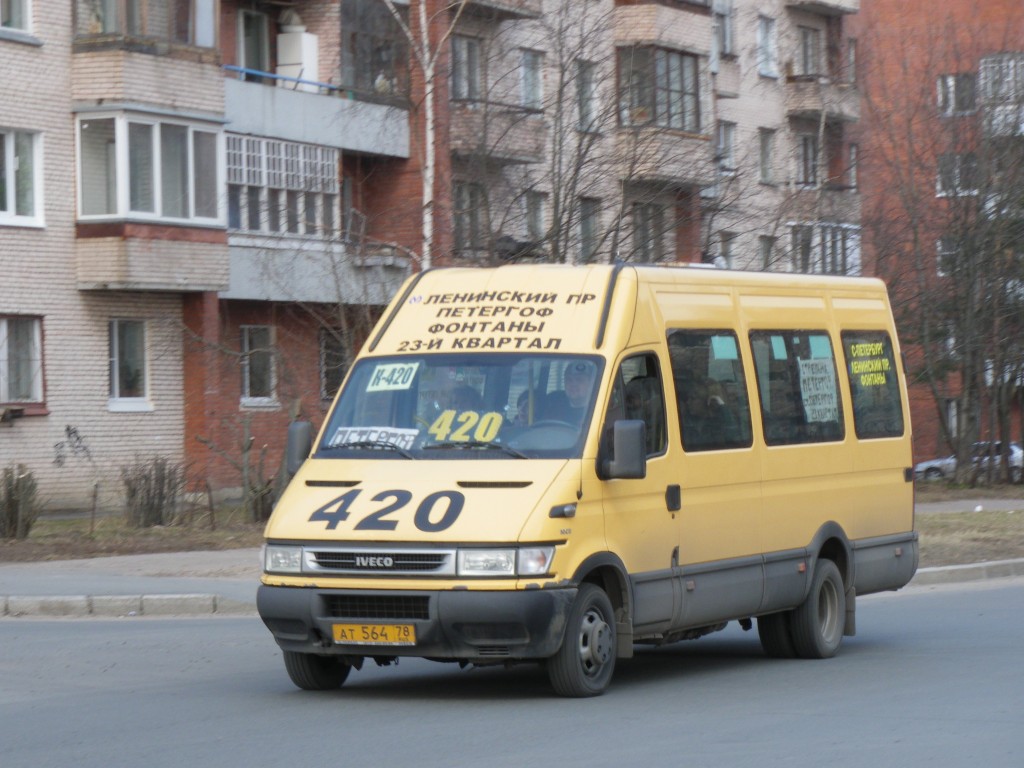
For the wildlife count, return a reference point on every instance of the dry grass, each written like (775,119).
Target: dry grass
(947,538)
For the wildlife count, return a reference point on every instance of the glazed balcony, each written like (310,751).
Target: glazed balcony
(825,7)
(505,10)
(831,202)
(657,155)
(497,133)
(807,96)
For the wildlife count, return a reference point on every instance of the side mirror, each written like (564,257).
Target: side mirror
(300,443)
(627,457)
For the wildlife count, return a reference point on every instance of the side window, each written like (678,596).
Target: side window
(711,390)
(798,387)
(638,394)
(874,385)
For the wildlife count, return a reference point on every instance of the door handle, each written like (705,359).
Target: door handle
(674,498)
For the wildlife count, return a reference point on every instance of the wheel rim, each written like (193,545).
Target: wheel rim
(595,644)
(828,611)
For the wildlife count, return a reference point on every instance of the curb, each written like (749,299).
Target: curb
(117,606)
(954,574)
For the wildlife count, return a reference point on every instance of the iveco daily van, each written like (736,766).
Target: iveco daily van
(558,463)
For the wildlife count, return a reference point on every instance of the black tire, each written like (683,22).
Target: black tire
(584,664)
(315,673)
(816,626)
(773,630)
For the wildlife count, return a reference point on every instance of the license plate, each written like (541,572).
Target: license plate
(375,634)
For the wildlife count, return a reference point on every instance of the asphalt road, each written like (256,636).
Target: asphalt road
(933,678)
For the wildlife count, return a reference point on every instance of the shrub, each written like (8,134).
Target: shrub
(152,490)
(19,502)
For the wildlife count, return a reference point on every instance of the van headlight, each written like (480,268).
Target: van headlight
(528,561)
(278,558)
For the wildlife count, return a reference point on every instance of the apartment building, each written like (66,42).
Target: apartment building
(943,107)
(203,204)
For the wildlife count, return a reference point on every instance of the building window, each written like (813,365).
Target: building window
(373,50)
(721,19)
(254,44)
(186,22)
(649,221)
(19,187)
(955,94)
(851,60)
(132,165)
(282,187)
(589,213)
(21,359)
(334,361)
(725,140)
(470,216)
(1001,78)
(808,55)
(766,249)
(826,249)
(15,14)
(947,251)
(767,53)
(659,87)
(802,240)
(127,360)
(586,95)
(726,241)
(958,175)
(531,79)
(807,160)
(466,78)
(766,155)
(851,175)
(535,203)
(258,375)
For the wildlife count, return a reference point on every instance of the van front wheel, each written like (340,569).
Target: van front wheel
(315,673)
(584,664)
(816,626)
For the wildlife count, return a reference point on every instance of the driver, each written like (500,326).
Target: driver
(578,381)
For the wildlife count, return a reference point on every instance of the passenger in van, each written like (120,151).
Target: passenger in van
(465,398)
(528,412)
(578,381)
(706,421)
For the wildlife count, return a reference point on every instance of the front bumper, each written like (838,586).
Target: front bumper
(463,625)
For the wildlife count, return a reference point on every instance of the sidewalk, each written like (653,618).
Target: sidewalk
(224,582)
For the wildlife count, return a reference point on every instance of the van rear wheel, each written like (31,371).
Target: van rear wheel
(816,626)
(773,630)
(584,664)
(315,673)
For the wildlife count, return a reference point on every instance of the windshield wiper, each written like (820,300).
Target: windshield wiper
(383,445)
(479,444)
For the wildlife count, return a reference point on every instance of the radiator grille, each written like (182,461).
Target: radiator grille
(405,607)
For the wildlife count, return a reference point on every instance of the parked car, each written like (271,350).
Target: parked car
(983,451)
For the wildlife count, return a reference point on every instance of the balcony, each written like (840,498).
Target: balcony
(122,256)
(831,202)
(807,96)
(662,156)
(497,133)
(504,10)
(264,268)
(825,7)
(325,116)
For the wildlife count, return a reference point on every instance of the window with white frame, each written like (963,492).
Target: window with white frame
(589,226)
(957,175)
(766,155)
(15,14)
(725,141)
(767,53)
(649,231)
(21,359)
(1001,78)
(535,204)
(826,249)
(956,94)
(147,168)
(851,60)
(726,248)
(531,79)
(466,77)
(128,375)
(721,19)
(659,87)
(20,187)
(586,95)
(807,160)
(947,251)
(259,381)
(802,248)
(851,171)
(808,54)
(469,204)
(766,249)
(185,22)
(282,187)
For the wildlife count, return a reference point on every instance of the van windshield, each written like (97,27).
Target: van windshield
(464,406)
